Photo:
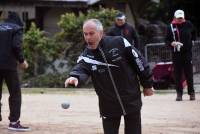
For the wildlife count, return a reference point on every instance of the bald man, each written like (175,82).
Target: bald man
(116,70)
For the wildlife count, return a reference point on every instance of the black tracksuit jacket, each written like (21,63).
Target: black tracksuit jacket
(10,46)
(127,68)
(127,31)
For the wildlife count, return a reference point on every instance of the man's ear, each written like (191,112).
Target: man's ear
(101,33)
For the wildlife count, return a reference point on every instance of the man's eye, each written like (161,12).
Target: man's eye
(91,33)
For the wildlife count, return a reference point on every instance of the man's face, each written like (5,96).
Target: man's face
(91,35)
(179,19)
(119,22)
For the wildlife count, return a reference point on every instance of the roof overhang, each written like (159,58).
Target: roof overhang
(88,2)
(54,3)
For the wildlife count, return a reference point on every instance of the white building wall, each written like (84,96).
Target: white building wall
(20,9)
(51,18)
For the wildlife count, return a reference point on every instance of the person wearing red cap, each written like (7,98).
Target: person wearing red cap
(179,37)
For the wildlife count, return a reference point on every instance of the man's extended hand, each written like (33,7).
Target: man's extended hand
(148,91)
(23,65)
(71,81)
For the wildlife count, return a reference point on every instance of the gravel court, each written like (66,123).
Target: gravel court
(161,114)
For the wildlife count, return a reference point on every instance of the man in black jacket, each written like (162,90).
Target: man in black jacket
(116,69)
(122,28)
(179,37)
(11,54)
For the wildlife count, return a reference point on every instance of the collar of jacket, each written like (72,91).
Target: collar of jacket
(174,21)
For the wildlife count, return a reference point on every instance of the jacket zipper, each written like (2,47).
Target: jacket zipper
(113,82)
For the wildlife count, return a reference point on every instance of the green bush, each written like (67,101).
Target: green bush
(39,50)
(55,80)
(46,80)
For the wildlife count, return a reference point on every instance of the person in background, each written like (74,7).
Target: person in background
(11,54)
(116,69)
(180,35)
(122,28)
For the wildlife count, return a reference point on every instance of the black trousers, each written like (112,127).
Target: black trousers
(12,81)
(132,123)
(186,67)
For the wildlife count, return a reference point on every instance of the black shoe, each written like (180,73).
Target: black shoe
(18,127)
(179,97)
(192,97)
(0,118)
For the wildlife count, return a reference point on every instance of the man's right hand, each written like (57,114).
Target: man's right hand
(71,81)
(174,44)
(23,65)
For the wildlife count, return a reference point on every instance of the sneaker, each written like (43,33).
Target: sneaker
(179,97)
(192,97)
(18,127)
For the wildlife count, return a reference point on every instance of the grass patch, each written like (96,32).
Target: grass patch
(53,90)
(164,92)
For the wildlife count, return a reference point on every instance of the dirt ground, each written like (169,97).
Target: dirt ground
(161,114)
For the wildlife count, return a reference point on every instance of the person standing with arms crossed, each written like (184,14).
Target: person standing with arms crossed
(11,54)
(116,70)
(179,37)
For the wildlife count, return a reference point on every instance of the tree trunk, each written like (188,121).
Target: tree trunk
(35,64)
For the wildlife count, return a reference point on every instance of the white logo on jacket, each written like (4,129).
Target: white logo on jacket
(95,62)
(94,67)
(114,52)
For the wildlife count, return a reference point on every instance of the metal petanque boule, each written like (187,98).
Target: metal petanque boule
(65,105)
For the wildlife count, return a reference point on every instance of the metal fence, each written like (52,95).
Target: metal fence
(159,52)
